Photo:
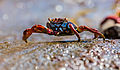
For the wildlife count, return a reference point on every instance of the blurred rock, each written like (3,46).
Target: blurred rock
(110,27)
(112,32)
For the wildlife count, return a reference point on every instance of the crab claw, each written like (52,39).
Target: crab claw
(95,31)
(26,34)
(34,29)
(37,29)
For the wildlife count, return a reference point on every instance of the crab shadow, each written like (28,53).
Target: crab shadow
(69,41)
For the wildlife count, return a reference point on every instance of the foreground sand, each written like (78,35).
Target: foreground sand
(88,54)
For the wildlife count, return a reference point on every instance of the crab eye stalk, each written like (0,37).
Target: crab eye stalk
(49,19)
(56,19)
(26,34)
(65,19)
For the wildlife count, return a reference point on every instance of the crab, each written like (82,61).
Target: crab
(60,27)
(110,26)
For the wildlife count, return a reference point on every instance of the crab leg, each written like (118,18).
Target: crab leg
(76,33)
(37,29)
(96,33)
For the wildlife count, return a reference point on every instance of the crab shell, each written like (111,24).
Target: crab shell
(61,26)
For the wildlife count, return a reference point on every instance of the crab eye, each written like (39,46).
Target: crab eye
(49,19)
(55,18)
(58,18)
(65,19)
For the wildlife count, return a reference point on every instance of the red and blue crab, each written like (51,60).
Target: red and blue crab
(60,27)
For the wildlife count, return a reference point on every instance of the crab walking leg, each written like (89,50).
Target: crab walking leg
(95,36)
(37,29)
(26,34)
(76,33)
(96,33)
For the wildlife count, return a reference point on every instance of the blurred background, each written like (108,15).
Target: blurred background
(17,15)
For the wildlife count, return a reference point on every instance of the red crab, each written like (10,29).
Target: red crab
(60,27)
(110,26)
